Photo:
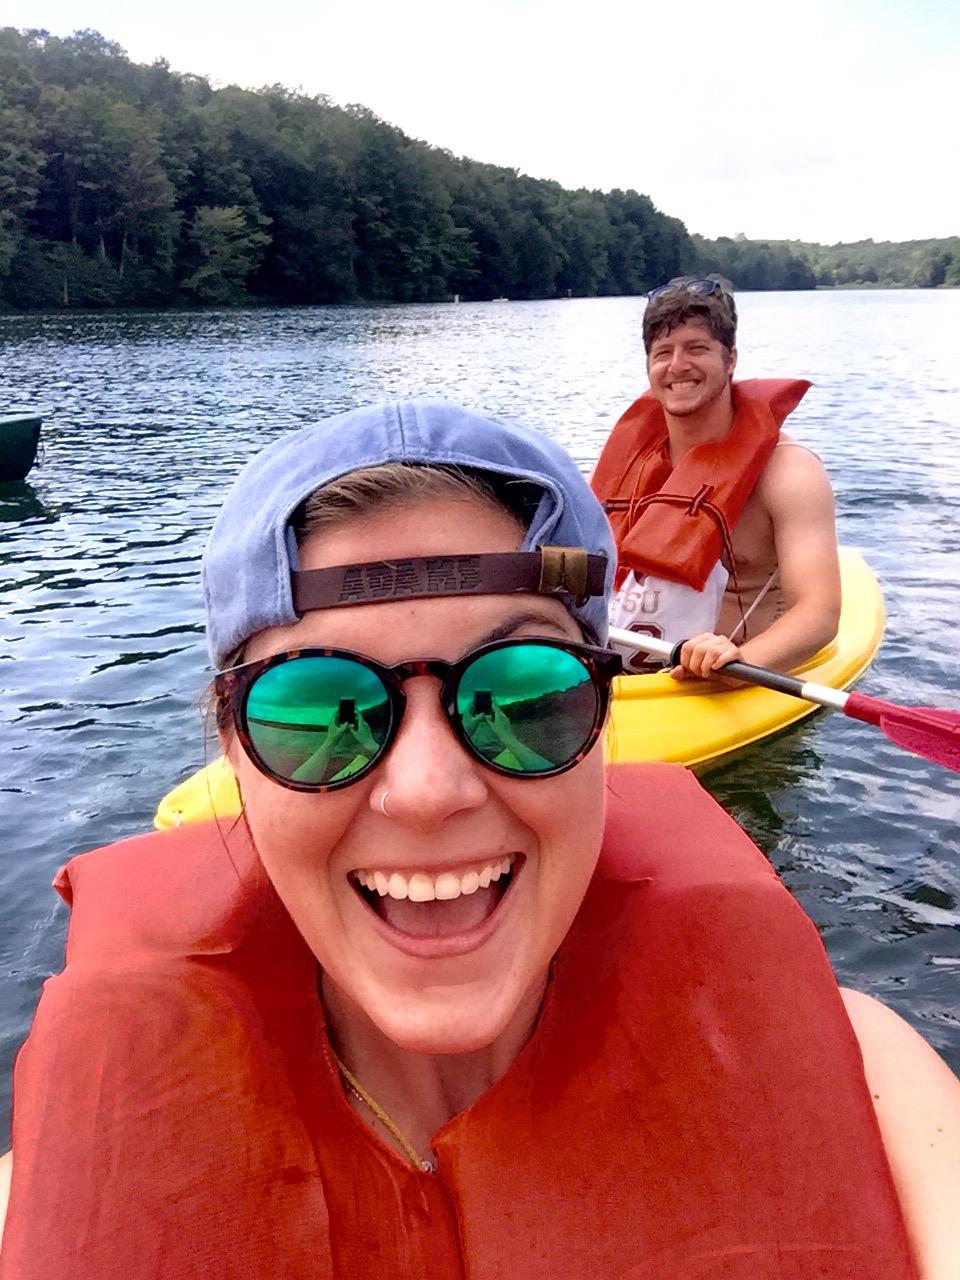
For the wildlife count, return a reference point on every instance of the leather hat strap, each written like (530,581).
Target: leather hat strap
(552,571)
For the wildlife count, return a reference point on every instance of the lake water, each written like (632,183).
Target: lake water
(148,416)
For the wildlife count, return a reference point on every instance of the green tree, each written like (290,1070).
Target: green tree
(629,214)
(586,236)
(75,201)
(21,164)
(227,246)
(142,197)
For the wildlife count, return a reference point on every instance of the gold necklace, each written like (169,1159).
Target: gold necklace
(360,1093)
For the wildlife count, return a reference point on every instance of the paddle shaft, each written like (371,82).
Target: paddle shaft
(822,694)
(931,732)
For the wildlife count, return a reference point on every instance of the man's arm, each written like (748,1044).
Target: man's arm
(797,496)
(917,1101)
(799,499)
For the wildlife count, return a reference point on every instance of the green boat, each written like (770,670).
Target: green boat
(19,438)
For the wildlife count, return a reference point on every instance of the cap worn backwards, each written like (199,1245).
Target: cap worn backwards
(251,552)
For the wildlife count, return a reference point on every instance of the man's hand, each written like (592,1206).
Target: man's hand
(704,655)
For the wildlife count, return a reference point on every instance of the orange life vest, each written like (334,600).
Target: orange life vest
(675,522)
(691,1105)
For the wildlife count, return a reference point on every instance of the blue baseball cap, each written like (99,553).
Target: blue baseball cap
(251,555)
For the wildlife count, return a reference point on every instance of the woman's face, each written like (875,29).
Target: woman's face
(449,975)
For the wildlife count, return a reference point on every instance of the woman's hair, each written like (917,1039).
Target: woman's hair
(392,485)
(397,484)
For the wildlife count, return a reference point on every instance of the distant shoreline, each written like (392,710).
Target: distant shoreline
(868,287)
(358,304)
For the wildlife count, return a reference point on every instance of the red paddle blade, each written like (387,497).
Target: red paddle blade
(930,732)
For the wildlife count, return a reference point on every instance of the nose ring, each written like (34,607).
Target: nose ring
(383,802)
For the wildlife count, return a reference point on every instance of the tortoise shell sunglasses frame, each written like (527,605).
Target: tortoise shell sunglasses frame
(234,686)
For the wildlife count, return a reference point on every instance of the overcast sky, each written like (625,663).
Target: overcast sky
(831,120)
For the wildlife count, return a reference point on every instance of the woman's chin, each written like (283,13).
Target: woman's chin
(469,1026)
(441,1040)
(448,1020)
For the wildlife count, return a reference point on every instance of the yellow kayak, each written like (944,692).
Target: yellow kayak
(693,723)
(655,717)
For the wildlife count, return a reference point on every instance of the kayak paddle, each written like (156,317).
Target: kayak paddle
(931,732)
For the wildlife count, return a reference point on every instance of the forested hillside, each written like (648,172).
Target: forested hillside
(131,185)
(123,184)
(795,264)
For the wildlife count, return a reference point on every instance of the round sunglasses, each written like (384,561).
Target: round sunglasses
(319,719)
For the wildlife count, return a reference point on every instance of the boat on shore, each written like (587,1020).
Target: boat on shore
(19,441)
(654,717)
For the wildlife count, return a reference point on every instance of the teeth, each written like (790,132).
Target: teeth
(448,886)
(423,887)
(420,888)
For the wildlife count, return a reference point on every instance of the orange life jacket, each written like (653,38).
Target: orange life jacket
(691,1105)
(675,522)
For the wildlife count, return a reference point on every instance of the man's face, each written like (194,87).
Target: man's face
(689,369)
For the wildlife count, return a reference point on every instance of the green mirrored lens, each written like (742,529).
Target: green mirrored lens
(317,720)
(528,708)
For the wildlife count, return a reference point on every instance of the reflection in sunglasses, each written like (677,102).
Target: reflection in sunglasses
(313,719)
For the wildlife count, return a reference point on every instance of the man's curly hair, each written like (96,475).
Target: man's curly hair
(717,312)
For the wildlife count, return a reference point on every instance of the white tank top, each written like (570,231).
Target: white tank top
(667,610)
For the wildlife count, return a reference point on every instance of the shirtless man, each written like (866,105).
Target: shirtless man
(785,578)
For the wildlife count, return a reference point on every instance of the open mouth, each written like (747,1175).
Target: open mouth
(442,905)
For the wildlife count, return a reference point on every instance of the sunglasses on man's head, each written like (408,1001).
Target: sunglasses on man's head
(319,719)
(706,288)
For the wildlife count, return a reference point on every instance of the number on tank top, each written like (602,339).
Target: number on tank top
(644,663)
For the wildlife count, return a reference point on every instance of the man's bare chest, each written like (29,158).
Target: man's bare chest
(755,553)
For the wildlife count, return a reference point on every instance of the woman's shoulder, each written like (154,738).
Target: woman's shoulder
(6,1173)
(916,1098)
